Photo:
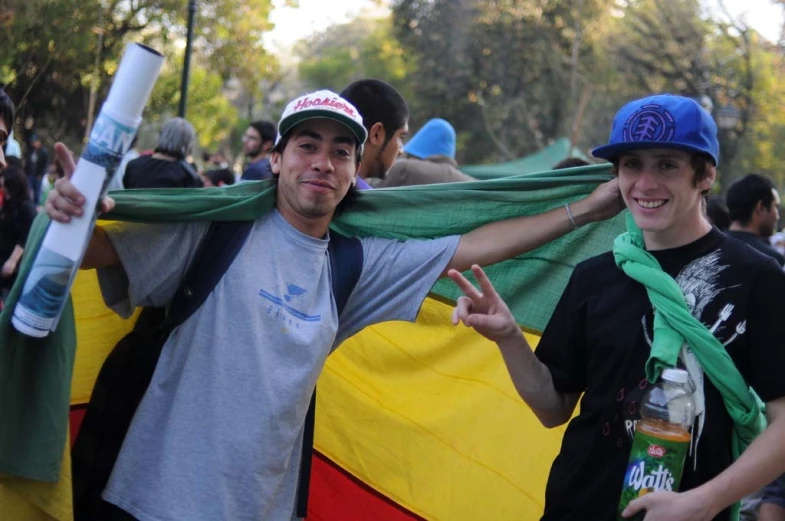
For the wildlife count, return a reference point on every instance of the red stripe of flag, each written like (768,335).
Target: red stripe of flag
(335,494)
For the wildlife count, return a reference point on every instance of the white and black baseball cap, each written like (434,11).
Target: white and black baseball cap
(322,104)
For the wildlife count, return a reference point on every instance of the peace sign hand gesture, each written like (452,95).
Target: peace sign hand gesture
(484,311)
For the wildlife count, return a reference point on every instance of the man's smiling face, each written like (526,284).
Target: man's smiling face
(316,168)
(658,186)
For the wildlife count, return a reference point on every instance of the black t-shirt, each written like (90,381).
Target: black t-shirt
(598,341)
(15,223)
(758,243)
(151,172)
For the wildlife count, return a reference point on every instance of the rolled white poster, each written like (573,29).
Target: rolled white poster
(46,288)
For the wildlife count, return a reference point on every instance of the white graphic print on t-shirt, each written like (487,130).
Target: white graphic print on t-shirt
(700,284)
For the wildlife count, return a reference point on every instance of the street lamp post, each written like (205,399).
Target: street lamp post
(187,59)
(727,118)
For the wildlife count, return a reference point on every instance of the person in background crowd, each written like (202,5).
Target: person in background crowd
(777,242)
(167,166)
(216,161)
(16,218)
(717,212)
(753,203)
(218,177)
(116,183)
(6,124)
(430,158)
(258,142)
(36,163)
(385,116)
(570,162)
(53,173)
(12,147)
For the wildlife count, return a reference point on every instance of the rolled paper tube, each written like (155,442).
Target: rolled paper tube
(47,285)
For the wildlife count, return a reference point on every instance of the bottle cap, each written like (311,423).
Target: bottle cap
(679,376)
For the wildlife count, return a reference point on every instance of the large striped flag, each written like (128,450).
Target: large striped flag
(414,421)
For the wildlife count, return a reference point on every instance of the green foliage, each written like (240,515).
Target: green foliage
(514,75)
(363,48)
(501,70)
(51,47)
(211,114)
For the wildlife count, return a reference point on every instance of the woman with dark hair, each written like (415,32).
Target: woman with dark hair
(16,218)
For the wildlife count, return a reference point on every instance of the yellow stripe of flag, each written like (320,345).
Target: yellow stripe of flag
(426,414)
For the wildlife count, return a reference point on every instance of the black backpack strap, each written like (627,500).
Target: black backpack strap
(215,254)
(346,264)
(190,171)
(127,371)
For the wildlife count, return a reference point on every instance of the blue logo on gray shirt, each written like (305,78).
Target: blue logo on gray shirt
(292,292)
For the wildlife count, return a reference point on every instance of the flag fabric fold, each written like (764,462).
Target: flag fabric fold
(41,371)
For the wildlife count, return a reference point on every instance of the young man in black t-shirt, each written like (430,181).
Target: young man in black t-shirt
(664,150)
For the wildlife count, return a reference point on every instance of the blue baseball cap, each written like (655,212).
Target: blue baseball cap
(435,138)
(662,121)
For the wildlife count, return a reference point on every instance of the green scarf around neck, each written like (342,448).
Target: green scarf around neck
(674,326)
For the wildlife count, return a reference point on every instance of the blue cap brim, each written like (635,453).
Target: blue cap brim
(612,151)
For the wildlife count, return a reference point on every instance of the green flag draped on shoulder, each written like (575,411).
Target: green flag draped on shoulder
(35,374)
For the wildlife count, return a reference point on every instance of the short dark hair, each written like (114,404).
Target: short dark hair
(266,129)
(7,110)
(717,212)
(700,164)
(220,175)
(570,162)
(378,102)
(15,186)
(350,196)
(744,194)
(13,161)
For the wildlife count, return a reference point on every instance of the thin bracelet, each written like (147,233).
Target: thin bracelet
(570,216)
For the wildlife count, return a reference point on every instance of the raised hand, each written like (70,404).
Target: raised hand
(605,201)
(64,200)
(484,311)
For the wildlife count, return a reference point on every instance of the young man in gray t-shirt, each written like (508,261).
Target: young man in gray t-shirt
(216,434)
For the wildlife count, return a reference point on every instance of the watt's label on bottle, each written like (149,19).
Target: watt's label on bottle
(656,465)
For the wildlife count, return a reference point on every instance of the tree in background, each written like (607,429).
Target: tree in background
(507,73)
(514,75)
(362,48)
(51,48)
(210,112)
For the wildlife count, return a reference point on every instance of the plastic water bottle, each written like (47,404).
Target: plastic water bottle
(662,439)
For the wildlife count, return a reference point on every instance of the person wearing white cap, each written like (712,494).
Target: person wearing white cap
(216,433)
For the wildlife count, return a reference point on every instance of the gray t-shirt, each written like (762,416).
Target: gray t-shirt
(218,432)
